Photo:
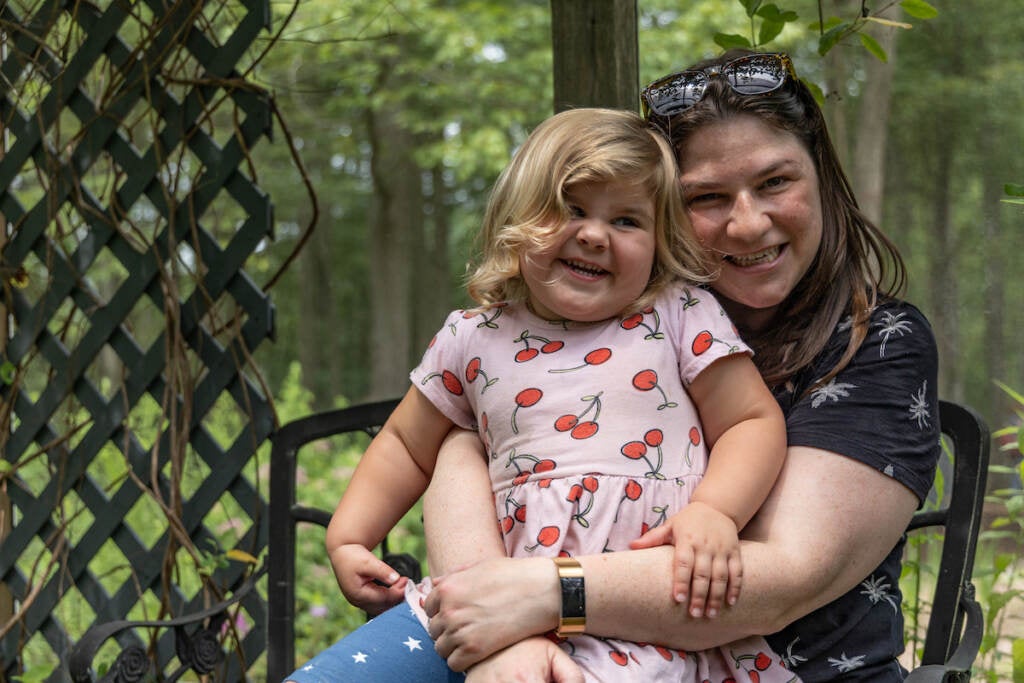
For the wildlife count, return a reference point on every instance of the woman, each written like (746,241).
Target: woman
(813,287)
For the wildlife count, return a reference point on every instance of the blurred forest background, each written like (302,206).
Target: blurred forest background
(404,112)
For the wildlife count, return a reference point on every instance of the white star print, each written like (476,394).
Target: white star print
(359,657)
(412,644)
(308,667)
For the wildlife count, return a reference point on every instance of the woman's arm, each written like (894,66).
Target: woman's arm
(459,518)
(827,523)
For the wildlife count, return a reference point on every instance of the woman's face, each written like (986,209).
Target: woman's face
(752,194)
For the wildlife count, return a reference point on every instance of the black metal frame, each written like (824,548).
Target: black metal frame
(955,626)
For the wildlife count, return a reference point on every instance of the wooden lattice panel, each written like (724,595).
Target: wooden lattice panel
(129,215)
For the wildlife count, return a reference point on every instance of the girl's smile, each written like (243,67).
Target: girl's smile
(600,261)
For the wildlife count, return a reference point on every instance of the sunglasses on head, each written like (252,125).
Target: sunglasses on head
(757,74)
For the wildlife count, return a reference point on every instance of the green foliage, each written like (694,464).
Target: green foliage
(36,674)
(1014,192)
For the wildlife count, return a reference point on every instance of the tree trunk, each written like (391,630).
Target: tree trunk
(432,294)
(319,317)
(943,276)
(596,55)
(395,217)
(868,171)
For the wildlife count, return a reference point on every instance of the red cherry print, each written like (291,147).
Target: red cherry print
(520,513)
(754,676)
(552,346)
(451,382)
(694,436)
(619,658)
(472,369)
(545,465)
(524,355)
(432,342)
(645,380)
(634,450)
(575,493)
(633,490)
(566,422)
(590,483)
(702,342)
(664,652)
(632,322)
(521,478)
(548,536)
(507,523)
(597,356)
(528,397)
(654,437)
(584,430)
(762,661)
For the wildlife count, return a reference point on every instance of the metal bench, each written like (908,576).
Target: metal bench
(955,623)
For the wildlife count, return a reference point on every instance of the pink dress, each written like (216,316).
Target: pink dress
(591,440)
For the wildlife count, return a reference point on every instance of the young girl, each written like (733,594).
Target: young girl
(613,396)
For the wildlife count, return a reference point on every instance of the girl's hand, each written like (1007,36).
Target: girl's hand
(485,607)
(367,582)
(534,660)
(708,567)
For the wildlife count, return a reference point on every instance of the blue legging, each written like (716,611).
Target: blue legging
(391,648)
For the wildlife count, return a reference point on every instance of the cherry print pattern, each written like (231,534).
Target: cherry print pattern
(647,380)
(636,320)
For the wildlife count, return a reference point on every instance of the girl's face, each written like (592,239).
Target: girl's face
(752,194)
(600,261)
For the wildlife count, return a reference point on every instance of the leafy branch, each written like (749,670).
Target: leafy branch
(767,21)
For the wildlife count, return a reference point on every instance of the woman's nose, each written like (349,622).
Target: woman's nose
(749,218)
(593,233)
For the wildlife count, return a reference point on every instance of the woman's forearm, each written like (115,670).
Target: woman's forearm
(458,508)
(827,524)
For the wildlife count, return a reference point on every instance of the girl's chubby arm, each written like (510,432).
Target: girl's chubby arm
(746,434)
(392,474)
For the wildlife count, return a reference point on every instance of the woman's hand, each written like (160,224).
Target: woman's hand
(483,608)
(534,660)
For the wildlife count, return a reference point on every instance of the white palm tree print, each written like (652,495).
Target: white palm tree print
(832,391)
(877,590)
(919,407)
(844,663)
(791,660)
(891,324)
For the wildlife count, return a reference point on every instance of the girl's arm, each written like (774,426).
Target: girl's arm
(391,476)
(746,432)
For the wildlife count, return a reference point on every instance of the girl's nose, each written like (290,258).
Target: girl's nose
(593,234)
(749,219)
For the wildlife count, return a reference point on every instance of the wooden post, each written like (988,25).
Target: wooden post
(596,56)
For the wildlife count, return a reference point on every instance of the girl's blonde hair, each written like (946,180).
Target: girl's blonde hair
(527,205)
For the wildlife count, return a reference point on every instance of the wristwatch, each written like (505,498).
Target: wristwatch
(574,603)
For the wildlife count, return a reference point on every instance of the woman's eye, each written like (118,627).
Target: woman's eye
(705,198)
(775,181)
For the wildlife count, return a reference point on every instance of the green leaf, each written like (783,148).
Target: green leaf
(730,40)
(1017,648)
(750,6)
(819,96)
(1014,190)
(771,12)
(831,37)
(872,46)
(919,9)
(769,29)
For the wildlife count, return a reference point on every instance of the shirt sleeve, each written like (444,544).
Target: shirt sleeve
(442,370)
(882,409)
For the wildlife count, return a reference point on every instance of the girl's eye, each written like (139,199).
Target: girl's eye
(626,221)
(575,211)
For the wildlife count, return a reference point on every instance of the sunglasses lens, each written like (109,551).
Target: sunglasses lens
(755,75)
(675,93)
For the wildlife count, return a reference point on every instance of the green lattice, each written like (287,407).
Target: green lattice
(129,214)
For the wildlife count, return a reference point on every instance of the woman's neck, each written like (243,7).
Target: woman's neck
(745,317)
